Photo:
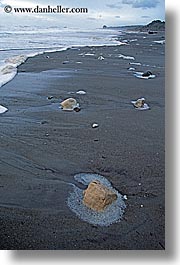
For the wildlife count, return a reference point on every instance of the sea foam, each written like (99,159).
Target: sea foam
(126,57)
(7,73)
(160,41)
(9,69)
(140,75)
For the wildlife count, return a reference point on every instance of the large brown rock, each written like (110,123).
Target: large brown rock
(97,196)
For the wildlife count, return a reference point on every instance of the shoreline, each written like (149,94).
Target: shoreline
(43,148)
(17,64)
(8,62)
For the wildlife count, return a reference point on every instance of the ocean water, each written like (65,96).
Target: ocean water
(19,43)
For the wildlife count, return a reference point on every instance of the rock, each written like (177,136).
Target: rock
(77,109)
(44,122)
(97,196)
(70,104)
(139,103)
(152,32)
(3,109)
(125,197)
(95,125)
(81,92)
(65,62)
(101,58)
(146,74)
(50,97)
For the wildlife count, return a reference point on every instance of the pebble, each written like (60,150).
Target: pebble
(65,62)
(95,125)
(3,109)
(125,197)
(81,92)
(50,97)
(100,58)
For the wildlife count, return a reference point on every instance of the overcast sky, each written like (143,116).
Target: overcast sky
(100,12)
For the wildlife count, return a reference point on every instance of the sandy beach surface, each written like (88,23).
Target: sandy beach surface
(43,147)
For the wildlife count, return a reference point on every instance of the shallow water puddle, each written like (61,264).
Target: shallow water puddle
(112,214)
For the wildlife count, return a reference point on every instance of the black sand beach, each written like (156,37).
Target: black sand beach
(43,147)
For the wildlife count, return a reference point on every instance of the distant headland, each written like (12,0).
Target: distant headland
(155,25)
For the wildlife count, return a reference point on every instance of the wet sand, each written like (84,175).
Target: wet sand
(43,147)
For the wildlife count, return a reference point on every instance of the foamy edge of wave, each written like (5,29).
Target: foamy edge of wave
(14,62)
(140,75)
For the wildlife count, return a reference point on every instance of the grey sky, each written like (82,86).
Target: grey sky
(109,12)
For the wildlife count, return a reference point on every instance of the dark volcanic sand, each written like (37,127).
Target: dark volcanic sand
(43,147)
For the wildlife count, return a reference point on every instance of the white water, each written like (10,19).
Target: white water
(17,44)
(126,57)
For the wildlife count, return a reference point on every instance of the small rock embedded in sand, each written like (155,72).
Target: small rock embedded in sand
(3,109)
(50,97)
(81,92)
(101,58)
(140,104)
(125,197)
(97,196)
(43,122)
(147,74)
(77,109)
(95,125)
(70,104)
(65,62)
